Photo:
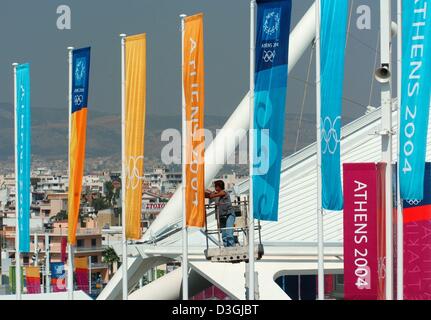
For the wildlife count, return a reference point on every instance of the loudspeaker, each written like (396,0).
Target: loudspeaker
(383,74)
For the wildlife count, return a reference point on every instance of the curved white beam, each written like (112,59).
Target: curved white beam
(300,39)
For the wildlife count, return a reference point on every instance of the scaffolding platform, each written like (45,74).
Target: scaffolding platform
(233,254)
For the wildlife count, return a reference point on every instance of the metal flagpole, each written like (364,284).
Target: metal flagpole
(251,279)
(320,236)
(400,219)
(70,247)
(123,164)
(36,254)
(185,262)
(386,100)
(17,204)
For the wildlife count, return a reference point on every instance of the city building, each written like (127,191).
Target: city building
(162,180)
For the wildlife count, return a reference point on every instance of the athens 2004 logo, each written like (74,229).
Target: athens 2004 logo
(271,23)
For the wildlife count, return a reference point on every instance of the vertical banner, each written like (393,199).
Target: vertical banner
(32,279)
(135,132)
(364,231)
(78,123)
(417,244)
(194,95)
(12,278)
(415,96)
(58,277)
(272,50)
(63,254)
(81,273)
(332,48)
(23,154)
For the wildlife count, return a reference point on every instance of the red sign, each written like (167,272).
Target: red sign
(154,207)
(364,235)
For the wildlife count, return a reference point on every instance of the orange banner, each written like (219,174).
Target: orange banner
(32,272)
(77,155)
(135,132)
(78,132)
(194,94)
(81,263)
(32,276)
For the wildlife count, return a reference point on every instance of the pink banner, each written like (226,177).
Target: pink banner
(82,279)
(364,236)
(63,249)
(417,245)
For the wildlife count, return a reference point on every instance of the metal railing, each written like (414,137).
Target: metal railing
(91,249)
(241,211)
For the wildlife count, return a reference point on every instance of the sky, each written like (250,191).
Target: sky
(29,33)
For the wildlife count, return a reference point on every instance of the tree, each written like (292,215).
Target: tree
(110,257)
(61,216)
(100,204)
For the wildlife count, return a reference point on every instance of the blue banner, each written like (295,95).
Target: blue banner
(415,96)
(81,71)
(57,270)
(272,49)
(332,48)
(23,154)
(58,277)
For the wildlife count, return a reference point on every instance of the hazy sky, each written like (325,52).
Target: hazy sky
(28,32)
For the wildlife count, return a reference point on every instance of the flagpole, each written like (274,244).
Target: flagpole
(123,164)
(385,49)
(320,235)
(251,280)
(17,204)
(70,247)
(185,262)
(400,219)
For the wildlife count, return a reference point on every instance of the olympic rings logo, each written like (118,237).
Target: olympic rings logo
(413,203)
(133,177)
(269,56)
(330,135)
(78,99)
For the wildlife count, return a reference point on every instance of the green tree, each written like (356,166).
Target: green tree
(109,191)
(100,204)
(61,216)
(110,257)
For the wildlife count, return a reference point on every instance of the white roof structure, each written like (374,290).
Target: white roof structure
(291,243)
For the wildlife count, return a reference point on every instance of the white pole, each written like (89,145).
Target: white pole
(320,235)
(17,204)
(300,38)
(47,282)
(400,222)
(36,254)
(385,49)
(123,163)
(185,264)
(251,284)
(70,247)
